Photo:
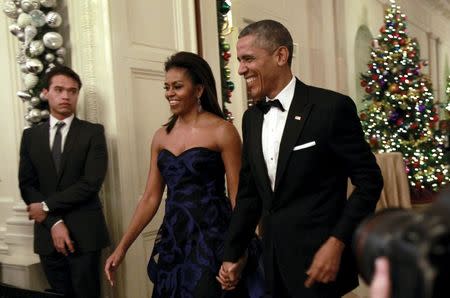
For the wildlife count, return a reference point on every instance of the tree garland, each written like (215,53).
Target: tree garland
(223,22)
(40,48)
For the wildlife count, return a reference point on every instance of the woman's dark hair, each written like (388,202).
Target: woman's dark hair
(200,73)
(60,70)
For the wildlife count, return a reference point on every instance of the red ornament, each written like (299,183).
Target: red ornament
(226,56)
(375,77)
(399,121)
(412,54)
(369,89)
(414,125)
(363,83)
(363,116)
(373,141)
(382,30)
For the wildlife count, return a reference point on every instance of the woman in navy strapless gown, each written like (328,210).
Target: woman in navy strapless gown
(191,155)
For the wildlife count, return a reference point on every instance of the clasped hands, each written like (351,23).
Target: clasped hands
(230,273)
(60,234)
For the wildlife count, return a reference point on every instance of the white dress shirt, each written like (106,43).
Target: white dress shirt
(272,129)
(64,130)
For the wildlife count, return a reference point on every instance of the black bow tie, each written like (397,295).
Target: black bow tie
(265,105)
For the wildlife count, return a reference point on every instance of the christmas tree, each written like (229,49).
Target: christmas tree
(400,115)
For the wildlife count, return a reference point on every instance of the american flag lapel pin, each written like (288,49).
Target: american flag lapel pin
(298,118)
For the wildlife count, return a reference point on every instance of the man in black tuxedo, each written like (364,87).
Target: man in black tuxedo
(300,145)
(62,167)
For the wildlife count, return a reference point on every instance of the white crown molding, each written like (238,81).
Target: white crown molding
(440,6)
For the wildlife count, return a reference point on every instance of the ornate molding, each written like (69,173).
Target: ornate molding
(84,14)
(440,6)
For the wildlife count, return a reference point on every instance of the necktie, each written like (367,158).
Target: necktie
(56,149)
(265,105)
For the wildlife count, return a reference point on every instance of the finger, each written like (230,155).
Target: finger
(309,282)
(62,247)
(221,281)
(224,275)
(69,244)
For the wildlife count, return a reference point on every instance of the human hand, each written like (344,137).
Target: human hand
(326,262)
(36,212)
(112,263)
(61,238)
(380,287)
(230,273)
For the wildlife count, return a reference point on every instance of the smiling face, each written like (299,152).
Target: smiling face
(259,67)
(181,93)
(62,96)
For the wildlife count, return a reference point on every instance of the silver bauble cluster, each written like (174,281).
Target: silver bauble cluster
(34,23)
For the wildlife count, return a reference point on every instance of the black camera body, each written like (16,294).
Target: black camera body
(417,245)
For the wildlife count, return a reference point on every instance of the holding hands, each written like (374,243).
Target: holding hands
(230,273)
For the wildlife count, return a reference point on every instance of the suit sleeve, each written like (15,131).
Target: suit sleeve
(28,179)
(247,211)
(353,152)
(89,184)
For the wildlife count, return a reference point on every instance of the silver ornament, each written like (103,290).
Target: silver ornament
(14,29)
(35,101)
(52,40)
(61,52)
(29,106)
(30,32)
(42,96)
(37,18)
(49,57)
(10,9)
(48,3)
(23,95)
(49,67)
(60,60)
(27,118)
(35,115)
(36,48)
(21,36)
(23,68)
(30,81)
(29,5)
(34,65)
(45,114)
(53,19)
(24,20)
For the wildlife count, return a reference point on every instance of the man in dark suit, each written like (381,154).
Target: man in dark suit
(62,167)
(300,145)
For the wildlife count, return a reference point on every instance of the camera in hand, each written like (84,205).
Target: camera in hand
(417,245)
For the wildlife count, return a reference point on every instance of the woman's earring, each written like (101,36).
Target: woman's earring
(199,102)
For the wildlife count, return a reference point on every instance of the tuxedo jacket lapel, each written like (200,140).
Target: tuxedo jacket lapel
(69,144)
(296,119)
(44,145)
